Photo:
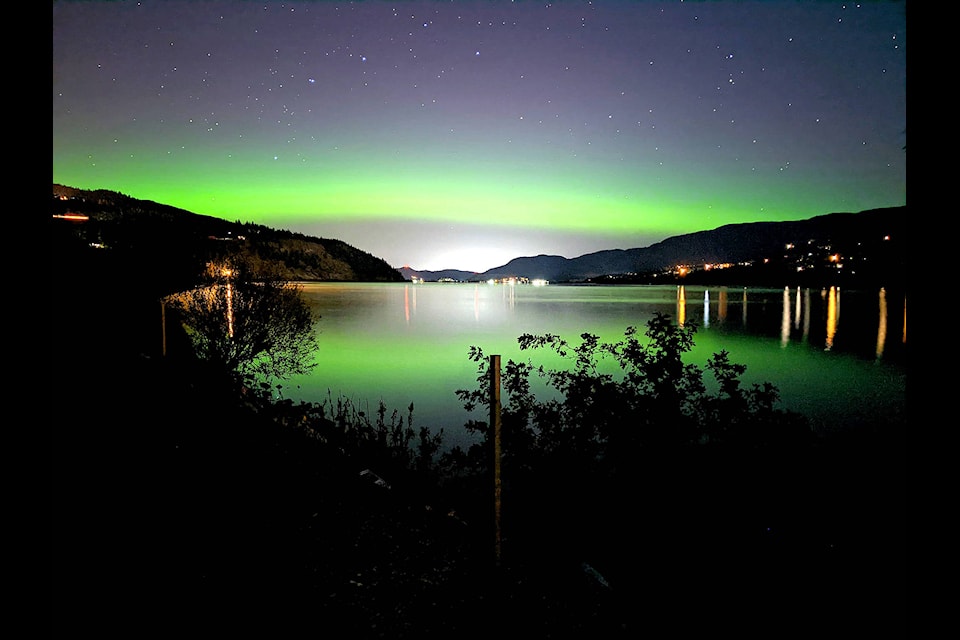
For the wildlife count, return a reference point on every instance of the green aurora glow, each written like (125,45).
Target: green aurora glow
(617,143)
(246,190)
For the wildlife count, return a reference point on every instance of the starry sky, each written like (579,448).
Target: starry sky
(462,134)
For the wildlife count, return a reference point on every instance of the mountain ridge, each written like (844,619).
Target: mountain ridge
(862,239)
(169,246)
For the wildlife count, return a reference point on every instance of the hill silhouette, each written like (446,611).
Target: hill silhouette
(872,245)
(164,247)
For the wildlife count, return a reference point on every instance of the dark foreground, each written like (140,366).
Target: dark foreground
(175,511)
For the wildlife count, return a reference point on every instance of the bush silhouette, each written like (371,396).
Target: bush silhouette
(627,423)
(247,323)
(620,399)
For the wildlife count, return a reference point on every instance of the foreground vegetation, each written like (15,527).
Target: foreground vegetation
(645,494)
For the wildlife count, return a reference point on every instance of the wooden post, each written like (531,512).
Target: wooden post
(495,425)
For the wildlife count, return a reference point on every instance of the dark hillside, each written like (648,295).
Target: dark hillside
(859,249)
(165,246)
(870,245)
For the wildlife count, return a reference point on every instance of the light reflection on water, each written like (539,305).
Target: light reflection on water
(408,343)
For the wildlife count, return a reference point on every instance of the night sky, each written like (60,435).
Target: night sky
(463,134)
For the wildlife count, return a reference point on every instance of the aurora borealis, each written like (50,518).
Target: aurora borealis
(463,134)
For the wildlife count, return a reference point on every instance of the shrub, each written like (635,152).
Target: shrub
(627,398)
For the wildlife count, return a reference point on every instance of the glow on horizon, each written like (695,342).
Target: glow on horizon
(292,201)
(364,121)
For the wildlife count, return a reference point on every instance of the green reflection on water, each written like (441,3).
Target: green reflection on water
(405,343)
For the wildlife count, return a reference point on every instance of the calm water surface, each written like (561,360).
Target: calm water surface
(836,356)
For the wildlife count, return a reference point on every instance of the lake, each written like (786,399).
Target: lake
(838,357)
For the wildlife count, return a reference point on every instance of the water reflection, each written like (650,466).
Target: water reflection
(706,308)
(796,315)
(833,316)
(362,352)
(785,319)
(904,340)
(229,308)
(882,329)
(681,305)
(798,310)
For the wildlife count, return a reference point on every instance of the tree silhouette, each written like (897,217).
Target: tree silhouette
(248,323)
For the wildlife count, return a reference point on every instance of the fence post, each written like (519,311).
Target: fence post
(495,425)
